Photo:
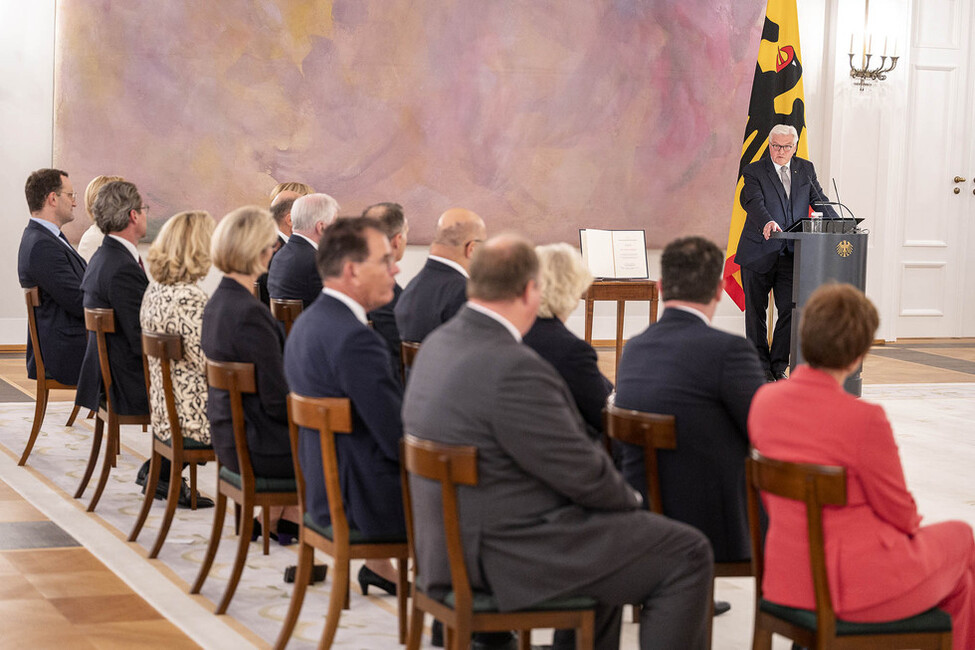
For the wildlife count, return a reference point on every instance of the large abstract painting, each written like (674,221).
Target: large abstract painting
(541,115)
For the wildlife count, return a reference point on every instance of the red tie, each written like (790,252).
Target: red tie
(141,265)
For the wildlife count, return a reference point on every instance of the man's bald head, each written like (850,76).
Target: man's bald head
(286,195)
(458,226)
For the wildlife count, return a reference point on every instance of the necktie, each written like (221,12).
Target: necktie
(141,265)
(786,181)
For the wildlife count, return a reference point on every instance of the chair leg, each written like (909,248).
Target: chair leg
(74,414)
(111,446)
(96,444)
(192,486)
(524,640)
(586,633)
(401,596)
(266,528)
(761,639)
(336,600)
(219,512)
(40,408)
(172,499)
(306,559)
(243,542)
(151,481)
(236,517)
(416,627)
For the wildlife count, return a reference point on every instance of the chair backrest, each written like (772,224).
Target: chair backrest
(286,311)
(101,322)
(407,352)
(256,289)
(814,485)
(236,378)
(328,416)
(33,297)
(165,348)
(450,465)
(652,431)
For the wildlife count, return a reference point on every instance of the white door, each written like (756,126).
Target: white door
(936,235)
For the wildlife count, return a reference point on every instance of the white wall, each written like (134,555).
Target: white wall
(26,127)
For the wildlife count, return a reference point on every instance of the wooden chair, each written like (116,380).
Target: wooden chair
(167,348)
(464,611)
(44,384)
(407,352)
(286,311)
(331,416)
(818,486)
(102,322)
(246,490)
(654,431)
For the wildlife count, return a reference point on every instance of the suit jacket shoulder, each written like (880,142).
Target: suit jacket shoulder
(293,274)
(429,300)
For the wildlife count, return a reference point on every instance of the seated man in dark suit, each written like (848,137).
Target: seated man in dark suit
(705,378)
(116,279)
(47,261)
(332,352)
(440,288)
(293,276)
(550,516)
(281,212)
(394,224)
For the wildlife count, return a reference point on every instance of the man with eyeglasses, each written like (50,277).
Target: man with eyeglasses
(778,191)
(439,290)
(47,261)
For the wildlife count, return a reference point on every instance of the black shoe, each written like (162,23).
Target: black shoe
(318,573)
(369,577)
(436,634)
(721,606)
(184,497)
(287,532)
(140,478)
(494,641)
(780,375)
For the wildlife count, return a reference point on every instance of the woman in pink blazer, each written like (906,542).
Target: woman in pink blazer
(882,564)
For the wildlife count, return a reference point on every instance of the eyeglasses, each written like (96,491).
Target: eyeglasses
(473,241)
(144,208)
(70,195)
(782,147)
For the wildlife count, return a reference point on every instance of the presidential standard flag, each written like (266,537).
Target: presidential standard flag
(776,99)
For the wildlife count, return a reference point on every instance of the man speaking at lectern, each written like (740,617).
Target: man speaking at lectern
(778,191)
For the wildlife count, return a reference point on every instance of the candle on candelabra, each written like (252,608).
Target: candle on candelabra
(851,42)
(885,46)
(870,45)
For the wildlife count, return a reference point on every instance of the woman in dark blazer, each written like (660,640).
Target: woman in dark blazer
(882,563)
(563,278)
(238,327)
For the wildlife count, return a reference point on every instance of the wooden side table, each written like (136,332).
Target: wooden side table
(620,291)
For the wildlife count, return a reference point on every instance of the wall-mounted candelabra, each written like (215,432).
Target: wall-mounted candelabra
(864,75)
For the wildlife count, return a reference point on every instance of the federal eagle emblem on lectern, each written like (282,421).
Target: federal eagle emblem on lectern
(844,248)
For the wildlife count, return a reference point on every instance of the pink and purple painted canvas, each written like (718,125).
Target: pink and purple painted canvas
(544,116)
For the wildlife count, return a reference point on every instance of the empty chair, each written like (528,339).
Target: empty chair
(330,416)
(286,311)
(44,383)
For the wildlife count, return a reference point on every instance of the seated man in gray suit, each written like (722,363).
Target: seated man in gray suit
(550,516)
(440,288)
(705,378)
(293,275)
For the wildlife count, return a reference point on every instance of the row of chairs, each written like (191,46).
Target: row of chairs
(817,486)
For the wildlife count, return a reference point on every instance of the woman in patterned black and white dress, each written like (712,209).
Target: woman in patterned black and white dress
(174,303)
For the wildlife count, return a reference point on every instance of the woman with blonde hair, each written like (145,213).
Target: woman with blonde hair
(92,238)
(173,304)
(237,327)
(563,277)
